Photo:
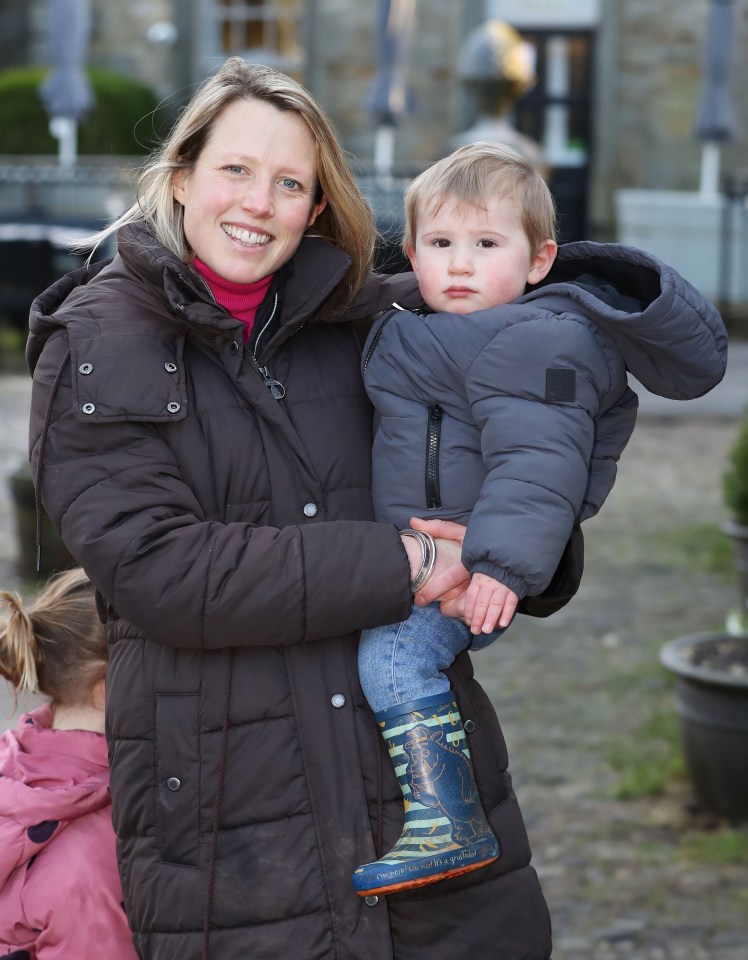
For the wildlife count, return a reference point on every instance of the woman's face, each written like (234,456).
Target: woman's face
(250,196)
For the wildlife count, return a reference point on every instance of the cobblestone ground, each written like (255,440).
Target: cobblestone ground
(618,875)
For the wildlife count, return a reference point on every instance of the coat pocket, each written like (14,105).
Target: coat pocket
(178,777)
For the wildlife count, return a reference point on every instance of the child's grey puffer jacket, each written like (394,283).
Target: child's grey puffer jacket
(515,417)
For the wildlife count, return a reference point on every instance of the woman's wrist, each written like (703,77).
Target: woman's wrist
(425,557)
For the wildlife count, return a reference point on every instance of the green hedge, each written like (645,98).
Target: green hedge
(120,122)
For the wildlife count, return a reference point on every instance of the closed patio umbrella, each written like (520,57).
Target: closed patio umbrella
(717,122)
(66,92)
(389,98)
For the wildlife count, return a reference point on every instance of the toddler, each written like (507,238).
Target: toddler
(504,405)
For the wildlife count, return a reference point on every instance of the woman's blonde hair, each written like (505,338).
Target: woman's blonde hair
(472,174)
(347,220)
(55,643)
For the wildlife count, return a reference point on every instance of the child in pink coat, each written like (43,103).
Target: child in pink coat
(60,893)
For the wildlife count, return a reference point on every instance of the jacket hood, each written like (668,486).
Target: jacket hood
(49,779)
(316,269)
(671,338)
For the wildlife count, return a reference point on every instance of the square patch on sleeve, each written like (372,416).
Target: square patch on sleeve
(560,385)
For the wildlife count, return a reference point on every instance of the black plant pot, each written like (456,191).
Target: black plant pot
(711,672)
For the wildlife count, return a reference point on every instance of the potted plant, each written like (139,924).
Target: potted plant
(711,671)
(735,491)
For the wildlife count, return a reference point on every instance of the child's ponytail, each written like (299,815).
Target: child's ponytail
(55,643)
(17,645)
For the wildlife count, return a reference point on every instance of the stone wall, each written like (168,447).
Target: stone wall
(648,86)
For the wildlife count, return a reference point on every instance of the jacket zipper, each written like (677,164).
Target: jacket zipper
(276,388)
(377,336)
(433,440)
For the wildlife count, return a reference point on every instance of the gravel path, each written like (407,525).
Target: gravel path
(619,875)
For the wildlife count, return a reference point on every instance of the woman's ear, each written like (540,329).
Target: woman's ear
(542,261)
(316,210)
(178,185)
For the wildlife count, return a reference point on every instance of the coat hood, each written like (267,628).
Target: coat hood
(672,339)
(49,779)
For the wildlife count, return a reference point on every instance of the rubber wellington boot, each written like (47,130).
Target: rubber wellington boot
(445,832)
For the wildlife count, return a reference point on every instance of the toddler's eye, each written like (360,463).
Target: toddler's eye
(440,242)
(486,244)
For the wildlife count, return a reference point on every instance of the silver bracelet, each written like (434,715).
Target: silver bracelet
(428,557)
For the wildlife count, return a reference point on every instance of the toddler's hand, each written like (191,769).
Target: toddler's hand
(488,604)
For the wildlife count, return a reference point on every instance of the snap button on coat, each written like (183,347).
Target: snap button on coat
(85,368)
(337,700)
(469,726)
(170,367)
(174,784)
(88,408)
(310,510)
(371,901)
(173,407)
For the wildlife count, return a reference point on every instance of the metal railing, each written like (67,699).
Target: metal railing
(95,189)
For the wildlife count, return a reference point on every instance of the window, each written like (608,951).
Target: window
(267,31)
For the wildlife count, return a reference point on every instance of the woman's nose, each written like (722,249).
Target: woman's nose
(257,199)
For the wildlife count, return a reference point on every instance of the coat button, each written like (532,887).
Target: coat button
(310,510)
(234,348)
(85,369)
(88,408)
(174,783)
(469,726)
(170,367)
(371,901)
(337,700)
(173,407)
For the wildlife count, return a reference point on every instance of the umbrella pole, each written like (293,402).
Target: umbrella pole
(384,151)
(65,130)
(709,182)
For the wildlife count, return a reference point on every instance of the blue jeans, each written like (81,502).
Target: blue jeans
(403,661)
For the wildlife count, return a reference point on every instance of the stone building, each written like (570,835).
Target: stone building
(614,106)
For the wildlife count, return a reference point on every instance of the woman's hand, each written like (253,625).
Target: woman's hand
(449,575)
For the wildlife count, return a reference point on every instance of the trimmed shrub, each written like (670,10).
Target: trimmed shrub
(120,122)
(735,479)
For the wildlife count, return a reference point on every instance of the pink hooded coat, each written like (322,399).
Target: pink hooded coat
(60,893)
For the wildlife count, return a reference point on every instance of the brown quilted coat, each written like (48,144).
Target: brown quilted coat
(229,534)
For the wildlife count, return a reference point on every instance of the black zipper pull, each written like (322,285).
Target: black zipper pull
(274,386)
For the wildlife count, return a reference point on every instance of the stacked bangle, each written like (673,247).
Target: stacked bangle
(428,557)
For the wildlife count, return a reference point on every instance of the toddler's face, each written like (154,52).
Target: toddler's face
(467,258)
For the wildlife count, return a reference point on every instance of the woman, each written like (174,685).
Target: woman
(201,437)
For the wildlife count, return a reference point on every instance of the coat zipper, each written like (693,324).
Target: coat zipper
(377,337)
(276,388)
(433,440)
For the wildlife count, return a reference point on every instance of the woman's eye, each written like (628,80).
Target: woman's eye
(235,168)
(289,184)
